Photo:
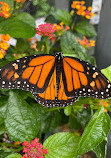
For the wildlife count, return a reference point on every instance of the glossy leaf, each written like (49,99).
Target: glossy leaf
(47,120)
(14,156)
(95,132)
(21,26)
(69,45)
(63,16)
(107,72)
(3,106)
(21,121)
(2,129)
(100,150)
(61,145)
(86,29)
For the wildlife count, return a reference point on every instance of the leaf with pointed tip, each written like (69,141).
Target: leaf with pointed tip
(86,29)
(61,145)
(95,132)
(107,72)
(100,150)
(21,121)
(64,16)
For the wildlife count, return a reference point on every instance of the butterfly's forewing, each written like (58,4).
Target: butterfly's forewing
(82,79)
(28,73)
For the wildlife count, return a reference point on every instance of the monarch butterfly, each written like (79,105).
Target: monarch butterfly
(55,80)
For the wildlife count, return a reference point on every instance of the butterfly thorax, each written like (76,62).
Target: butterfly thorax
(58,62)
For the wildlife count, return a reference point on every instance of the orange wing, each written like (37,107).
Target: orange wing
(82,79)
(53,98)
(29,73)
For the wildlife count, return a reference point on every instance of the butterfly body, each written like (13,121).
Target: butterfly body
(55,80)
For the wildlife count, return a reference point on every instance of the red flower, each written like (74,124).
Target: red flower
(34,149)
(46,30)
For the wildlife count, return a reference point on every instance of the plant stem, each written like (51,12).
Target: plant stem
(73,24)
(10,145)
(47,46)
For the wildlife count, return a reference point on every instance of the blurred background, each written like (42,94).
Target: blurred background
(101,20)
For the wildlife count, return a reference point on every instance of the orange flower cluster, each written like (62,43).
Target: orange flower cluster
(85,42)
(81,9)
(20,1)
(4,10)
(60,27)
(106,104)
(4,45)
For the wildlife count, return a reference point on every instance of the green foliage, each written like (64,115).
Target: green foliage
(47,120)
(2,129)
(14,156)
(100,150)
(67,110)
(70,46)
(19,118)
(3,105)
(86,29)
(3,154)
(22,45)
(74,123)
(61,145)
(63,16)
(107,72)
(42,8)
(95,132)
(21,26)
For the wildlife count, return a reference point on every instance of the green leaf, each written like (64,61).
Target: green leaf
(63,16)
(95,132)
(2,129)
(22,45)
(100,150)
(69,44)
(14,156)
(83,116)
(61,145)
(21,26)
(26,18)
(47,120)
(74,123)
(67,110)
(86,29)
(3,154)
(21,121)
(3,106)
(107,72)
